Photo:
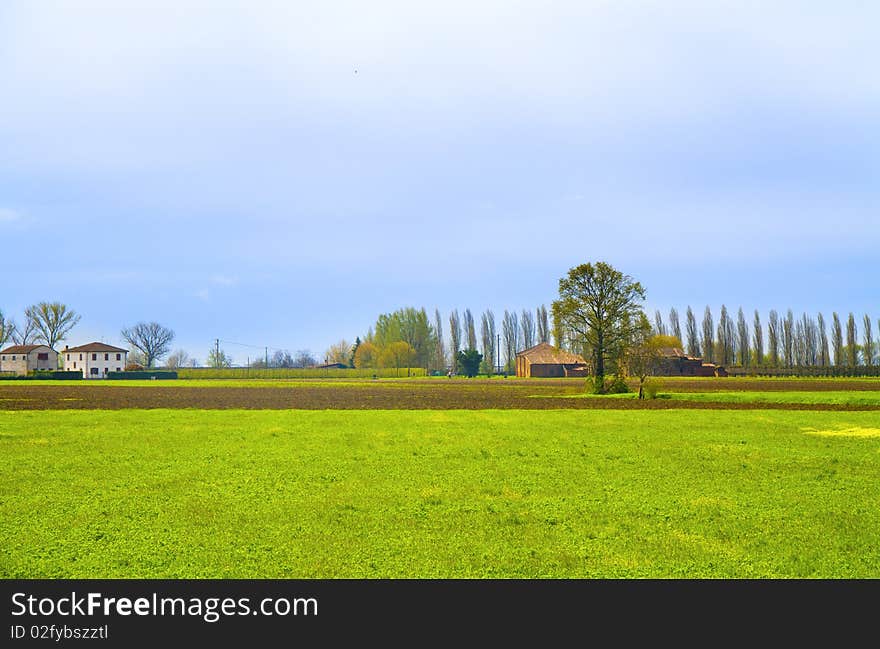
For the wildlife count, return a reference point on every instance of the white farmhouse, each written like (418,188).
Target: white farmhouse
(94,360)
(22,359)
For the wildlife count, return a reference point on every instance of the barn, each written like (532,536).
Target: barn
(674,362)
(545,360)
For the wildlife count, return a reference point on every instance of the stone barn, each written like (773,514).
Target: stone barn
(674,362)
(545,360)
(22,359)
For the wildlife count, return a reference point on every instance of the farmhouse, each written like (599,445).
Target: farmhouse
(674,362)
(545,360)
(94,360)
(22,359)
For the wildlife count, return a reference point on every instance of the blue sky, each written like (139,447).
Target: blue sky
(278,173)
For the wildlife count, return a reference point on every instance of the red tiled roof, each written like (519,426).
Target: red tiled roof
(545,353)
(94,347)
(23,349)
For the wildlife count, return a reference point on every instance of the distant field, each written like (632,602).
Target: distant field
(189,493)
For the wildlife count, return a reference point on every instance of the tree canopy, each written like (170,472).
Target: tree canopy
(599,306)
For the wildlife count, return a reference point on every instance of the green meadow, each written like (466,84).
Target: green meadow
(390,493)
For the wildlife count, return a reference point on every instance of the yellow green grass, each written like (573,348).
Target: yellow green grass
(324,494)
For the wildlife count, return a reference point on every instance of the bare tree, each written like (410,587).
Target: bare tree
(693,337)
(852,349)
(338,352)
(836,339)
(543,325)
(708,332)
(758,339)
(24,334)
(868,347)
(487,333)
(7,329)
(52,321)
(470,329)
(151,339)
(218,359)
(527,322)
(454,338)
(302,359)
(177,359)
(742,345)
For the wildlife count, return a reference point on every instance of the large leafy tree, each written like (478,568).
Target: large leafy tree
(600,305)
(397,354)
(469,361)
(151,339)
(411,326)
(51,321)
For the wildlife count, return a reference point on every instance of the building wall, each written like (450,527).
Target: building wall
(30,362)
(18,366)
(547,370)
(94,365)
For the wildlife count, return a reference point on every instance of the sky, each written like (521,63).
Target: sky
(280,173)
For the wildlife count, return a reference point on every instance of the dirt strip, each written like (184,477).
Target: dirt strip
(367,397)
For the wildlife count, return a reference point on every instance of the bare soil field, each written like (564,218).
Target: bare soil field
(408,395)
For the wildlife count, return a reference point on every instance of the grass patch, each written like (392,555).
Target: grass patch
(324,494)
(841,397)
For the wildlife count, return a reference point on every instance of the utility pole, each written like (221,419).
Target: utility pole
(217,352)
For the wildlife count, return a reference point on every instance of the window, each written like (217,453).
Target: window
(94,371)
(118,358)
(74,364)
(106,357)
(94,357)
(68,357)
(118,369)
(80,357)
(13,358)
(43,357)
(4,358)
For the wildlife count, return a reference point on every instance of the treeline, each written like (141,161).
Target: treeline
(779,343)
(409,337)
(785,342)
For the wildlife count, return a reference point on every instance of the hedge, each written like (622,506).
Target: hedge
(159,374)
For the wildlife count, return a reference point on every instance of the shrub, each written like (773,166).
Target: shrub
(617,386)
(651,387)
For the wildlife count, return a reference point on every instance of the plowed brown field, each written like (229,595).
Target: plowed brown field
(409,395)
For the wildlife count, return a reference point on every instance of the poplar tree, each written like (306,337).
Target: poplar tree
(836,340)
(743,348)
(708,330)
(868,347)
(674,325)
(693,337)
(773,338)
(758,338)
(852,350)
(527,322)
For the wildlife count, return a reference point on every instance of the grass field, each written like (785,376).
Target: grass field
(439,493)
